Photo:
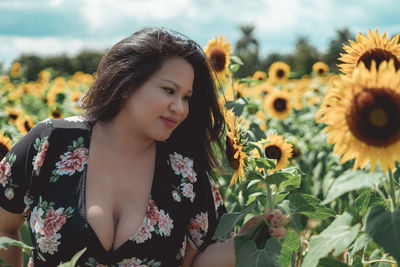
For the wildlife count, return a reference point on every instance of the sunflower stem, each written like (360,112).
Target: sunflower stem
(392,193)
(269,195)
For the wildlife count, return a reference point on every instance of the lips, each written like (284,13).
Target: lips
(169,121)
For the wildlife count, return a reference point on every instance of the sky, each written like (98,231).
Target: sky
(51,27)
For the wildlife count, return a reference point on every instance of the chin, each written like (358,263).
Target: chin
(161,138)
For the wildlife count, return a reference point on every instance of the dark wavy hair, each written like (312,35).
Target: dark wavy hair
(131,62)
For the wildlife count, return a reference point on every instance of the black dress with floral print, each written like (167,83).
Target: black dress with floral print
(43,176)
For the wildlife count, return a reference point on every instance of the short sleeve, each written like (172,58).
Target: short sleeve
(22,164)
(208,209)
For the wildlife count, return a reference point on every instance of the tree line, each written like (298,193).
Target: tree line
(247,48)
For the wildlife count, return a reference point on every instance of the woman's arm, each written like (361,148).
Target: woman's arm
(10,223)
(220,254)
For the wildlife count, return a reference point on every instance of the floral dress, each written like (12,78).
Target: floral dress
(43,176)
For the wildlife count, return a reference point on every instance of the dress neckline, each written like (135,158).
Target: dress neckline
(83,212)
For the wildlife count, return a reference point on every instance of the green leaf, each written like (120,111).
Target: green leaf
(254,196)
(253,182)
(238,106)
(229,220)
(236,60)
(265,163)
(280,196)
(337,236)
(350,181)
(361,243)
(6,242)
(247,253)
(294,179)
(309,206)
(383,227)
(329,262)
(290,244)
(74,259)
(357,262)
(234,67)
(362,201)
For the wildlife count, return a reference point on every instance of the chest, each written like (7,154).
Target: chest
(117,195)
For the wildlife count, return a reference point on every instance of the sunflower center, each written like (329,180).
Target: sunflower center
(379,55)
(13,116)
(56,114)
(374,116)
(321,71)
(280,104)
(218,59)
(27,126)
(273,152)
(378,117)
(230,153)
(280,73)
(3,150)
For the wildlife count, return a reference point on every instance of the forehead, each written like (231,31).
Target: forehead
(176,69)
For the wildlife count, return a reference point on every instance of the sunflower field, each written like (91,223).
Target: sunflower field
(315,157)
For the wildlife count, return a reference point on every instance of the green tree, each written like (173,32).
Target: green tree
(247,48)
(303,58)
(335,48)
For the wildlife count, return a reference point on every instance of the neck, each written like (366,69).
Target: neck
(119,136)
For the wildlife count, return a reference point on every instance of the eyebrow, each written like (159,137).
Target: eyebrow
(175,84)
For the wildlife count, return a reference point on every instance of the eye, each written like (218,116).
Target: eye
(168,90)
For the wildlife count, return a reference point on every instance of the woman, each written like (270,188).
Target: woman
(130,180)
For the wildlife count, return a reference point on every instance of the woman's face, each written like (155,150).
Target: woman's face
(156,108)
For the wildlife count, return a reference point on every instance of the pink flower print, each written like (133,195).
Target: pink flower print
(182,166)
(49,244)
(133,262)
(101,265)
(152,213)
(176,196)
(196,236)
(39,158)
(198,227)
(9,193)
(54,221)
(187,191)
(5,171)
(30,263)
(144,232)
(181,252)
(165,224)
(72,162)
(28,202)
(36,221)
(216,195)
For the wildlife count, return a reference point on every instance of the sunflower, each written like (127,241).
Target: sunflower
(299,90)
(15,68)
(13,114)
(279,71)
(5,145)
(275,147)
(235,146)
(320,68)
(260,76)
(278,104)
(24,124)
(362,114)
(365,49)
(56,113)
(219,52)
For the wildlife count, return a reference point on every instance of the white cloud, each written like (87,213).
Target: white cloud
(13,46)
(100,14)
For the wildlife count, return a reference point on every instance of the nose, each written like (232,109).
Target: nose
(178,106)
